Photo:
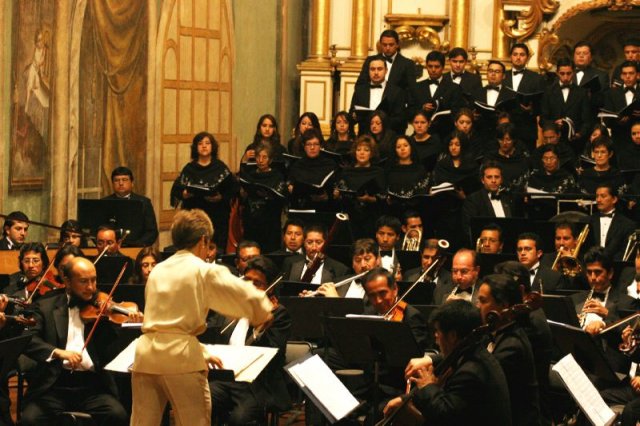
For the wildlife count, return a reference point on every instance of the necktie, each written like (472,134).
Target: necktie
(516,72)
(565,86)
(599,296)
(386,253)
(494,196)
(493,87)
(533,272)
(376,86)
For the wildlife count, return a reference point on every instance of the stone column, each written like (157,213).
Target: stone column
(459,26)
(500,43)
(320,22)
(360,29)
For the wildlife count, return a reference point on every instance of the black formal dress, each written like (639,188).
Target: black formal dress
(149,233)
(54,389)
(515,167)
(240,403)
(591,178)
(566,157)
(429,150)
(266,195)
(405,184)
(216,178)
(558,182)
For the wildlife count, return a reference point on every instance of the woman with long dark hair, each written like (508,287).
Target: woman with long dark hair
(406,177)
(266,133)
(342,134)
(307,121)
(380,129)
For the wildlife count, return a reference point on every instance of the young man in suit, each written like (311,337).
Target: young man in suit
(610,228)
(619,98)
(522,80)
(469,82)
(493,99)
(631,49)
(378,94)
(14,230)
(585,73)
(542,278)
(122,181)
(563,101)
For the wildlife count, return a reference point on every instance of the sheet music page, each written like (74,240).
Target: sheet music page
(247,362)
(123,362)
(583,391)
(314,374)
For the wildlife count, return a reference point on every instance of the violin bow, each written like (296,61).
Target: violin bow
(104,308)
(35,290)
(104,250)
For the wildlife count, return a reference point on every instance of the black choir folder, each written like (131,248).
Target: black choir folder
(322,387)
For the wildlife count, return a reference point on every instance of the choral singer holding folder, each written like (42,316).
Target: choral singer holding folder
(170,364)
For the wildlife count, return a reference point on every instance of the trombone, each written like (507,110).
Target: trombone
(569,265)
(632,244)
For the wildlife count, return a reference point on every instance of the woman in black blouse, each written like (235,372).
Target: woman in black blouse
(382,133)
(428,146)
(406,177)
(266,133)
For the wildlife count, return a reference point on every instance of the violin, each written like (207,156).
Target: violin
(20,319)
(117,313)
(17,301)
(49,283)
(397,314)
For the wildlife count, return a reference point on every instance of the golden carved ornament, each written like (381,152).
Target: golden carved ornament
(546,40)
(530,19)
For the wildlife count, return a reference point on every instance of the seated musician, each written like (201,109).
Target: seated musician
(70,378)
(388,230)
(474,391)
(412,226)
(629,297)
(292,237)
(240,403)
(71,233)
(598,307)
(565,241)
(328,269)
(107,238)
(511,347)
(429,251)
(543,278)
(14,231)
(245,251)
(33,261)
(610,228)
(364,257)
(490,239)
(464,279)
(146,260)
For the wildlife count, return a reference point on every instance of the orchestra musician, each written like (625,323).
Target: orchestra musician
(542,278)
(170,364)
(430,251)
(70,377)
(295,267)
(475,391)
(107,238)
(464,279)
(629,297)
(292,237)
(241,403)
(146,260)
(245,251)
(388,230)
(14,231)
(611,229)
(511,347)
(33,262)
(490,239)
(71,233)
(565,242)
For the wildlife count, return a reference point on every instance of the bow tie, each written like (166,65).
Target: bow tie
(599,296)
(454,76)
(565,86)
(465,290)
(376,86)
(578,69)
(384,253)
(494,196)
(609,215)
(430,82)
(516,72)
(629,89)
(76,302)
(493,87)
(533,272)
(389,59)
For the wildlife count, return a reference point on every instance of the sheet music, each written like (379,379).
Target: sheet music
(583,391)
(318,378)
(124,361)
(247,362)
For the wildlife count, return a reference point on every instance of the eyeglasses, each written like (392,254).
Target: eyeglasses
(494,71)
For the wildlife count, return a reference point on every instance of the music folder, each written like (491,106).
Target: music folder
(560,308)
(123,214)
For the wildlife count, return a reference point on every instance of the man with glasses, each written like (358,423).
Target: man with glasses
(493,99)
(490,240)
(33,261)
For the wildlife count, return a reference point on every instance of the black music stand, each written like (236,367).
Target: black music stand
(108,268)
(422,294)
(488,262)
(408,259)
(372,342)
(294,288)
(560,309)
(308,313)
(125,214)
(586,350)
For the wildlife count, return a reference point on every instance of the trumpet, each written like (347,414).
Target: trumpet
(569,265)
(412,240)
(479,245)
(632,244)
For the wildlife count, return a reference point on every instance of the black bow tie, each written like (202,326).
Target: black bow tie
(493,87)
(629,89)
(465,290)
(76,302)
(494,196)
(386,253)
(376,86)
(533,272)
(430,82)
(516,72)
(609,215)
(389,59)
(599,296)
(454,76)
(565,86)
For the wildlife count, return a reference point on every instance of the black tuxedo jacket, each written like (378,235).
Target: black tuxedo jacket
(393,103)
(550,279)
(270,388)
(331,271)
(4,245)
(488,119)
(442,292)
(525,121)
(470,83)
(619,231)
(448,96)
(149,233)
(443,283)
(597,99)
(612,305)
(577,108)
(478,204)
(475,394)
(50,332)
(403,73)
(615,100)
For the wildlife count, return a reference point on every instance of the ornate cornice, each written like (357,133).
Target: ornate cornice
(528,20)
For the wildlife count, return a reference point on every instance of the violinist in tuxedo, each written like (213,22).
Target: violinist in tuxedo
(122,181)
(68,377)
(565,100)
(493,99)
(240,403)
(14,231)
(619,98)
(379,94)
(610,228)
(522,80)
(468,82)
(476,391)
(542,278)
(437,94)
(328,269)
(586,72)
(402,72)
(489,201)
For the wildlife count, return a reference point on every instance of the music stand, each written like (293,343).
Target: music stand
(408,259)
(422,294)
(125,214)
(294,288)
(560,309)
(585,349)
(308,313)
(488,262)
(108,268)
(10,350)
